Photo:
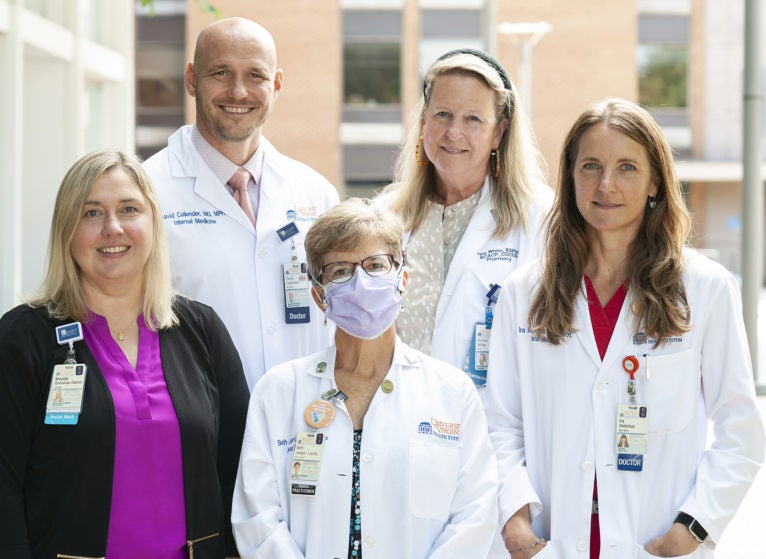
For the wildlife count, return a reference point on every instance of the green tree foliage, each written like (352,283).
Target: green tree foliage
(204,5)
(662,77)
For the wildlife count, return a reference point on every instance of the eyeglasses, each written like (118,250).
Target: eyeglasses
(375,265)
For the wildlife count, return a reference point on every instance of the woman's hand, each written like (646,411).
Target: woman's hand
(675,542)
(518,536)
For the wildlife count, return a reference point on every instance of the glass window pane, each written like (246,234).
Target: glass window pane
(159,72)
(371,73)
(662,75)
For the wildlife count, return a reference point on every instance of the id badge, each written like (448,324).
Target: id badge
(307,457)
(478,354)
(65,395)
(631,436)
(297,293)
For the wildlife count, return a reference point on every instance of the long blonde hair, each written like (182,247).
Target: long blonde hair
(659,297)
(60,292)
(521,165)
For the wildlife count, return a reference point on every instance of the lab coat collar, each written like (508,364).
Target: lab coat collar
(183,159)
(273,173)
(478,232)
(405,357)
(185,162)
(476,235)
(481,222)
(620,337)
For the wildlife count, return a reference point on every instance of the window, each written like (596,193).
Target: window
(160,93)
(662,59)
(662,75)
(371,57)
(371,74)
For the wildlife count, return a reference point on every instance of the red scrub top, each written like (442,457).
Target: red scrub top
(603,320)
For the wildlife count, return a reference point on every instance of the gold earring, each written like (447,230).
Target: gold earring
(494,161)
(424,162)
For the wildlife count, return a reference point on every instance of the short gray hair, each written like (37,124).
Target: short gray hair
(347,225)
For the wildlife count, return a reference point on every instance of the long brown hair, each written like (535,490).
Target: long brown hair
(659,298)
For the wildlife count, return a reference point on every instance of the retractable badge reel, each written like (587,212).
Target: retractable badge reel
(632,423)
(295,281)
(64,403)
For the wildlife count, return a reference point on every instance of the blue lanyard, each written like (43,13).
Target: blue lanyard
(492,294)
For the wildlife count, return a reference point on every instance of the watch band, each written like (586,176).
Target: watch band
(694,527)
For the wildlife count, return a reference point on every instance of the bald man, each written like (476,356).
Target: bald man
(241,251)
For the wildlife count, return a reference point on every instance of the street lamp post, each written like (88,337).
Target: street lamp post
(527,35)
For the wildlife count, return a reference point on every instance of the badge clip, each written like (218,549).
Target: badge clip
(630,366)
(69,334)
(492,295)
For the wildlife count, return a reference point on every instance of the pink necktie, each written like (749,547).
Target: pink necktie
(238,182)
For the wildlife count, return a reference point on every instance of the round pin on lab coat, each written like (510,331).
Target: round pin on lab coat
(319,414)
(387,386)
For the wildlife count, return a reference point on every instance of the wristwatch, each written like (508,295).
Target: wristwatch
(694,527)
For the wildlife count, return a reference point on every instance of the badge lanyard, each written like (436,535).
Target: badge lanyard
(477,360)
(632,423)
(65,395)
(309,445)
(295,281)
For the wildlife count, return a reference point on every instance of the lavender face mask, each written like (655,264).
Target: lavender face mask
(364,306)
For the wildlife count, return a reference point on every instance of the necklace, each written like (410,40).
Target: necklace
(118,335)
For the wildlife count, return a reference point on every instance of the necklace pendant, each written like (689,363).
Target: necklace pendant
(120,337)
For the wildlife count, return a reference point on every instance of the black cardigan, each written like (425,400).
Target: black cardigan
(56,480)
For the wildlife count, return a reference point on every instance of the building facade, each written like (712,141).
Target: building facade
(67,89)
(353,73)
(353,70)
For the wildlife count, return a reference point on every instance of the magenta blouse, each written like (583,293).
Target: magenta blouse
(147,517)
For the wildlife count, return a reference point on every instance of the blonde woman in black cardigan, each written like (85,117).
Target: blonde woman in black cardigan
(138,457)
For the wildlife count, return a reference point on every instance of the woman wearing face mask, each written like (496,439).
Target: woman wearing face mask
(394,453)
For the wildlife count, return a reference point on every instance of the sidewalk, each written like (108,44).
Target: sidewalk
(744,538)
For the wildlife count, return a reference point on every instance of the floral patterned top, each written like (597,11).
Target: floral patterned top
(355,529)
(443,227)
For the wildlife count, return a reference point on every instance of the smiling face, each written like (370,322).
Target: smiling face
(460,129)
(113,239)
(235,81)
(612,179)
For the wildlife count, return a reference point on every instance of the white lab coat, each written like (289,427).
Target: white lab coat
(218,257)
(421,495)
(479,261)
(552,417)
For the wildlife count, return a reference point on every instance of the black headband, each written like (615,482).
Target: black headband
(489,59)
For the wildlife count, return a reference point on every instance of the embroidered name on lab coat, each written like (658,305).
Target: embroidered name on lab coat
(499,254)
(192,217)
(440,429)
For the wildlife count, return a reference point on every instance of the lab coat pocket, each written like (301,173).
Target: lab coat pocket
(433,480)
(670,392)
(641,553)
